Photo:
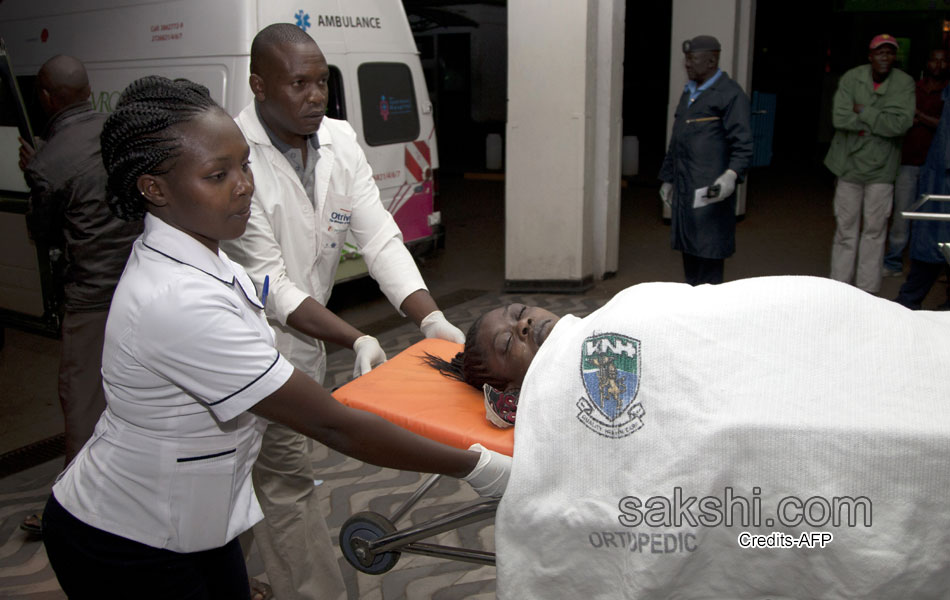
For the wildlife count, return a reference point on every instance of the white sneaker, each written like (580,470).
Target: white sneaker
(885,272)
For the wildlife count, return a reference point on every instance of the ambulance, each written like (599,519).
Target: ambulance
(376,83)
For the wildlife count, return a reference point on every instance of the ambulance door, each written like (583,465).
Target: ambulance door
(399,135)
(28,292)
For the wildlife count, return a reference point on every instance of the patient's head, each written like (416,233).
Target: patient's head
(499,346)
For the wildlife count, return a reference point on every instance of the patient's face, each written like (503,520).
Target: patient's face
(510,336)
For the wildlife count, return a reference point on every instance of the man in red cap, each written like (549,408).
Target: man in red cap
(872,109)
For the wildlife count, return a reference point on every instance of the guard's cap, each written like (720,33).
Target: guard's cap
(701,43)
(880,40)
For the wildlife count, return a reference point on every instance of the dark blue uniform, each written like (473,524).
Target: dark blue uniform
(709,136)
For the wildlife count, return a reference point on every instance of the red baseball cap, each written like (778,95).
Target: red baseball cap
(880,40)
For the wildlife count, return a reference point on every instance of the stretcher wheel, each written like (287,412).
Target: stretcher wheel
(357,531)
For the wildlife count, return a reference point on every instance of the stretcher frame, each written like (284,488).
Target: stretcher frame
(371,542)
(912,214)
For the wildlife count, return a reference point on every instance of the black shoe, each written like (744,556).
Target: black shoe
(33,525)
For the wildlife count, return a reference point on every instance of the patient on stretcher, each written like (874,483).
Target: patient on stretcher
(673,443)
(499,347)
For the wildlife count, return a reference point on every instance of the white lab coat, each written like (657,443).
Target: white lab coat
(297,243)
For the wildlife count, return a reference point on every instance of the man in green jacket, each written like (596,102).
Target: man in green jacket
(873,108)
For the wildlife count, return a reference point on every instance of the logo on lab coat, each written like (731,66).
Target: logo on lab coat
(610,369)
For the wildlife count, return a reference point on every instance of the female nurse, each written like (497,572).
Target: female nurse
(153,504)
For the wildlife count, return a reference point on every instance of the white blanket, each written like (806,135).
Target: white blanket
(784,392)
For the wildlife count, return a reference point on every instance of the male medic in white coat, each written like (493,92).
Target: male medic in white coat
(310,174)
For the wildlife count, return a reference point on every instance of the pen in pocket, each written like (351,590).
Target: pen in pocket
(702,120)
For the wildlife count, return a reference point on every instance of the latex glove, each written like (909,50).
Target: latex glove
(369,354)
(490,476)
(666,193)
(435,325)
(726,183)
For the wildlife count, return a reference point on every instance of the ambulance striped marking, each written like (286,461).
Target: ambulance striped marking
(413,166)
(423,149)
(418,159)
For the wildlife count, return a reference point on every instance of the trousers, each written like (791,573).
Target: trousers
(699,270)
(920,280)
(905,193)
(80,376)
(294,541)
(92,563)
(861,212)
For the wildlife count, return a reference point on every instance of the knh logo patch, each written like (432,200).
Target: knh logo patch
(610,368)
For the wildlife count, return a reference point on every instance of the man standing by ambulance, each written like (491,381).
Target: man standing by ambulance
(312,186)
(872,109)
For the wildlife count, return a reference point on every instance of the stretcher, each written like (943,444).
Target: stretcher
(922,216)
(413,395)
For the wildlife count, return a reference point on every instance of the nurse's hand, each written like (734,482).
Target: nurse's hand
(435,325)
(369,354)
(490,476)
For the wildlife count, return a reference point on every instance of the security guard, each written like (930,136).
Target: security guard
(710,151)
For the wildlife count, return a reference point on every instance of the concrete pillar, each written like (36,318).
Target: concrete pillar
(732,22)
(562,182)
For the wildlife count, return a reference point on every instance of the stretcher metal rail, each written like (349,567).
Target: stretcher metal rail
(927,216)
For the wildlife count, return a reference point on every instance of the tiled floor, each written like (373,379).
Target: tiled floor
(787,230)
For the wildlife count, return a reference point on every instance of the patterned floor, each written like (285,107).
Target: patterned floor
(349,486)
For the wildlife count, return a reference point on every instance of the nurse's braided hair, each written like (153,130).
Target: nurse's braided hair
(468,366)
(135,140)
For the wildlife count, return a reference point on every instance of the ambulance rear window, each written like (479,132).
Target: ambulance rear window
(388,101)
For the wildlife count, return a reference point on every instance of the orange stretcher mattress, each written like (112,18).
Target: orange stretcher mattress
(413,395)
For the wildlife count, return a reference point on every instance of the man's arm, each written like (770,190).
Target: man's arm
(842,106)
(377,235)
(738,132)
(45,208)
(929,121)
(388,260)
(418,305)
(26,154)
(313,319)
(260,254)
(896,116)
(666,170)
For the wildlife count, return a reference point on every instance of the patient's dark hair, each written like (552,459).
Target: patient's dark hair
(469,365)
(135,140)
